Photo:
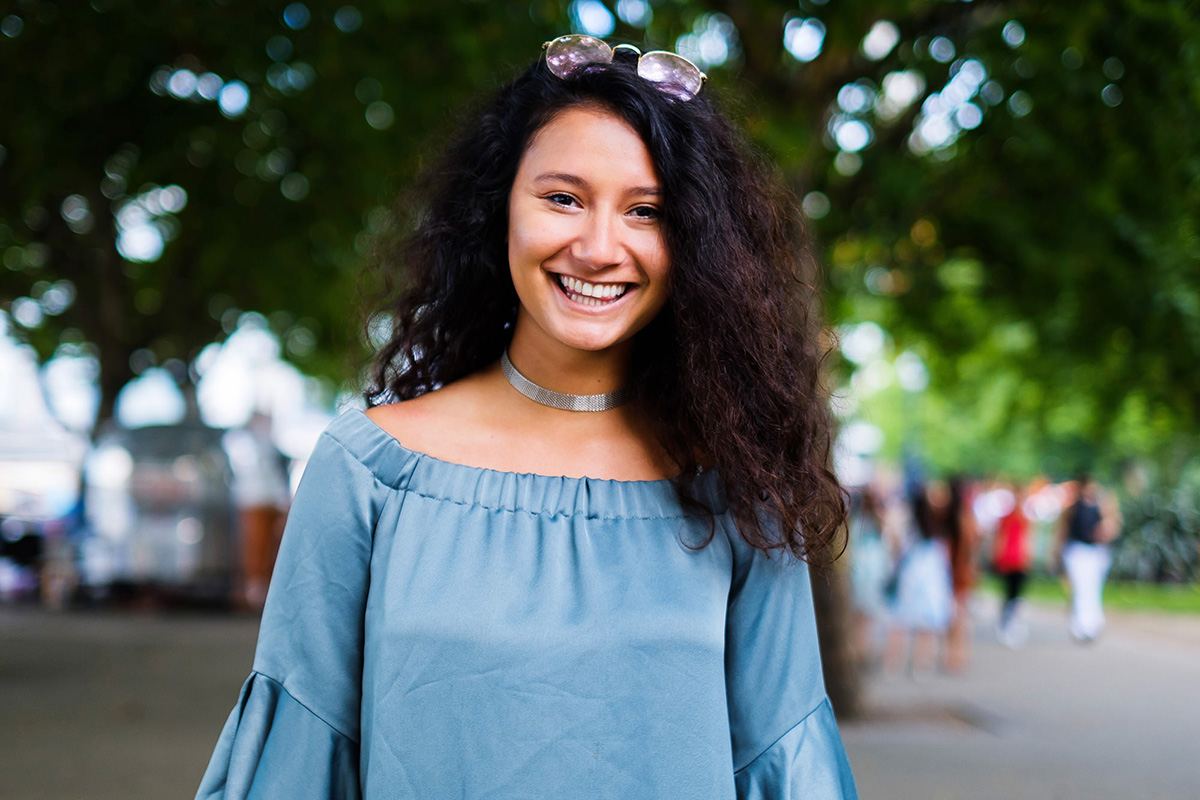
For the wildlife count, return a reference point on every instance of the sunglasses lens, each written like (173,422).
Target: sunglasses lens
(675,75)
(566,54)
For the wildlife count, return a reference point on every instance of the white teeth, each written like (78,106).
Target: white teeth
(591,294)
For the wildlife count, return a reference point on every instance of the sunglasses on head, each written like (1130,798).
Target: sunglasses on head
(672,73)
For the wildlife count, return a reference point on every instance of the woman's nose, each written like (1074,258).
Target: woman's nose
(599,242)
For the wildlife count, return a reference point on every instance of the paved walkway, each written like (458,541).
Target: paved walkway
(1056,720)
(106,706)
(102,705)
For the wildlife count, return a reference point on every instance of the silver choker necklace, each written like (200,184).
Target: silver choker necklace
(562,400)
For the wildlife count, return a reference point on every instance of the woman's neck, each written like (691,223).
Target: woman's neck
(560,368)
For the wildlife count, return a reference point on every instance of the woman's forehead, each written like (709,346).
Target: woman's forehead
(588,140)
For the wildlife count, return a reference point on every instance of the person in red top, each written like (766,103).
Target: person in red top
(1012,557)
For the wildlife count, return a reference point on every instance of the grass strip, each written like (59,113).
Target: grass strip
(1172,598)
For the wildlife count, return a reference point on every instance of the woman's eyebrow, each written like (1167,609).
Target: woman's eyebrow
(575,180)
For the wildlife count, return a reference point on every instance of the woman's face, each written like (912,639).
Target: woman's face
(585,236)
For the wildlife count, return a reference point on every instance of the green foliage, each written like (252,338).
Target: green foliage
(281,197)
(1160,538)
(1044,262)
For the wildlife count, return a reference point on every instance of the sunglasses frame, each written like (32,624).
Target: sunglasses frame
(589,44)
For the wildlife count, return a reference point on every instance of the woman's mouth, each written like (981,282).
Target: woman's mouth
(591,294)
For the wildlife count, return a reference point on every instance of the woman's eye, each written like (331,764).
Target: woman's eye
(560,199)
(646,212)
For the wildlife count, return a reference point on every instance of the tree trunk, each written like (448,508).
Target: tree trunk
(831,598)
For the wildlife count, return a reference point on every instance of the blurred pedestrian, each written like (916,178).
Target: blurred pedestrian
(922,604)
(260,494)
(869,568)
(561,555)
(1089,524)
(962,537)
(1012,558)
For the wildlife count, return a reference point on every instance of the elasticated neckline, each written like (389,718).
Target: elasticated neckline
(396,466)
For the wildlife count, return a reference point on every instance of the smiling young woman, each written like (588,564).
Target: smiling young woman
(562,554)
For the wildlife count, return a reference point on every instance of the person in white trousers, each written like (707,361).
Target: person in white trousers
(1088,526)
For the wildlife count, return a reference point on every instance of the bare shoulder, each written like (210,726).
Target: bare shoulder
(432,422)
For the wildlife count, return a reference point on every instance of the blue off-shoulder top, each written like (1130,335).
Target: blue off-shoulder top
(441,631)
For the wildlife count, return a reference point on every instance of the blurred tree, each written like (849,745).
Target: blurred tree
(165,166)
(1009,188)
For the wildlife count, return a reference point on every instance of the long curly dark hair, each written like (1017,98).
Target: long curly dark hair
(728,373)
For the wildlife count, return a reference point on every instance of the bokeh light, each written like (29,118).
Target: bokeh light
(816,205)
(279,48)
(945,114)
(296,16)
(712,42)
(380,115)
(294,186)
(855,98)
(804,38)
(11,26)
(637,13)
(880,40)
(900,90)
(1020,103)
(1013,33)
(145,223)
(347,19)
(852,135)
(182,83)
(941,50)
(591,17)
(233,99)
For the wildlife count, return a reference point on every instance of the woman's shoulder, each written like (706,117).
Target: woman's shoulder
(389,439)
(442,423)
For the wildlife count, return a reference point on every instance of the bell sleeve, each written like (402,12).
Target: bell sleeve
(786,744)
(294,732)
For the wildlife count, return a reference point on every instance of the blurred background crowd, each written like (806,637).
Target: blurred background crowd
(1003,196)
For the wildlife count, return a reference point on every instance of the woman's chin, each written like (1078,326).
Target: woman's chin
(588,339)
(589,344)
